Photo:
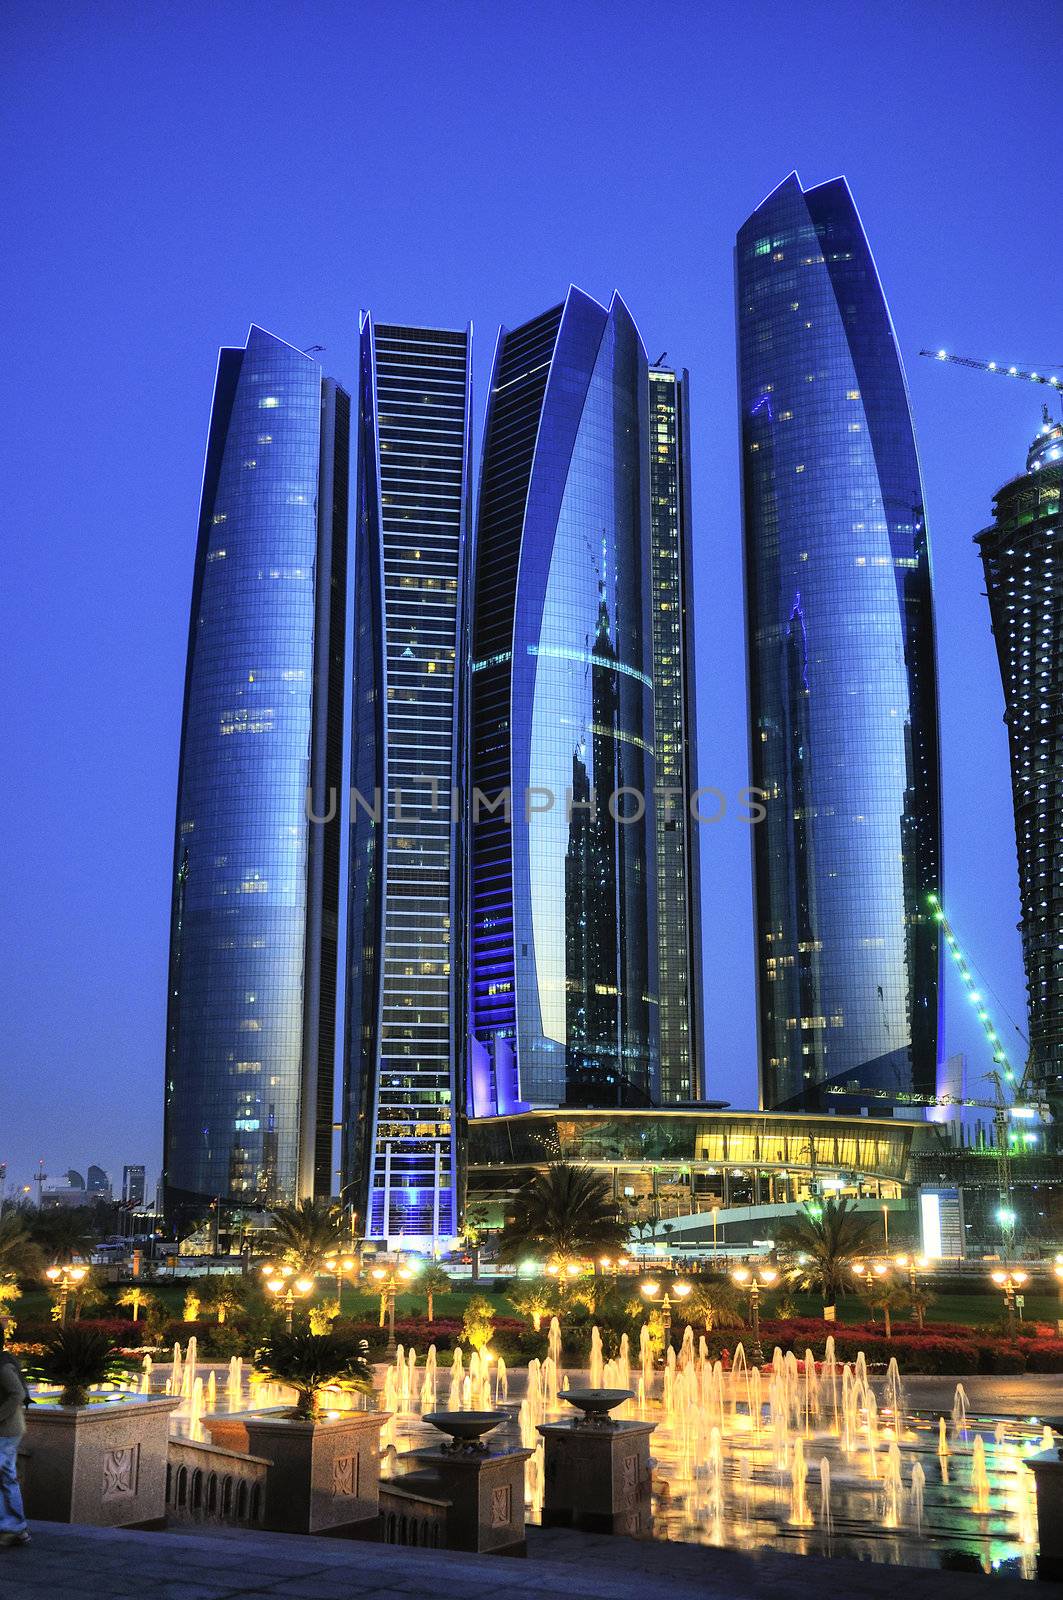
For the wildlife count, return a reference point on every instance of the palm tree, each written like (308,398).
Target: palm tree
(827,1238)
(65,1236)
(565,1213)
(304,1234)
(890,1297)
(308,1362)
(535,1299)
(221,1294)
(77,1358)
(433,1281)
(20,1257)
(712,1303)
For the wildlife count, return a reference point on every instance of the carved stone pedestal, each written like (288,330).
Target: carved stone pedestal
(100,1464)
(1047,1468)
(598,1477)
(323,1477)
(485,1495)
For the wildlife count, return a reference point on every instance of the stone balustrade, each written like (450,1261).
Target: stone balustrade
(208,1484)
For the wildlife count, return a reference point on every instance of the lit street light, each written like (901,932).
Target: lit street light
(387,1280)
(751,1279)
(341,1267)
(914,1265)
(651,1289)
(1009,1281)
(65,1278)
(286,1288)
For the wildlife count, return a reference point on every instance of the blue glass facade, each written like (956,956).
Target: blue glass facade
(843,698)
(252,991)
(405,1039)
(563,1001)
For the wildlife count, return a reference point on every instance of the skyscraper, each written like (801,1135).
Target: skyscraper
(133,1185)
(563,1004)
(1021,554)
(405,1010)
(675,737)
(252,991)
(843,697)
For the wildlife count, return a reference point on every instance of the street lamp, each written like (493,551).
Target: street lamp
(651,1289)
(286,1288)
(913,1265)
(64,1278)
(1009,1282)
(387,1280)
(340,1267)
(751,1279)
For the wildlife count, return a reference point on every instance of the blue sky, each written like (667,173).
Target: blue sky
(177,171)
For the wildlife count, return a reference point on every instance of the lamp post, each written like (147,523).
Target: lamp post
(1009,1281)
(913,1265)
(64,1278)
(751,1279)
(387,1280)
(341,1267)
(286,1288)
(651,1289)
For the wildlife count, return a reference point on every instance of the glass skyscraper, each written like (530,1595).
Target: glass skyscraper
(675,737)
(842,679)
(252,990)
(405,999)
(1021,554)
(563,1002)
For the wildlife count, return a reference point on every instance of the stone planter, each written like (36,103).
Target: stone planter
(323,1477)
(102,1464)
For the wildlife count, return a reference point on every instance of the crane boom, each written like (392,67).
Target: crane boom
(1052,381)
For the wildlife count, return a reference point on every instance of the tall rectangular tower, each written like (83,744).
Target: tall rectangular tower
(405,1012)
(1024,581)
(253,937)
(842,676)
(675,738)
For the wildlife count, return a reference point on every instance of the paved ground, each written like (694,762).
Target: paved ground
(72,1563)
(1035,1394)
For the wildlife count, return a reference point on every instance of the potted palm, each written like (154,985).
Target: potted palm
(324,1472)
(94,1458)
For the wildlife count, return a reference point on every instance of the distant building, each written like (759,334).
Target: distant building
(254,918)
(99,1184)
(842,675)
(1022,554)
(675,738)
(133,1185)
(74,1179)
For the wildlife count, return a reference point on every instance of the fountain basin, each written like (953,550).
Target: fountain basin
(596,1405)
(466,1428)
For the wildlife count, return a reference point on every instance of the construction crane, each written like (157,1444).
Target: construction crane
(1050,381)
(1009,1091)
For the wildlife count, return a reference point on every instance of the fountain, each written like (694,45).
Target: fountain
(917,1496)
(979,1476)
(824,1498)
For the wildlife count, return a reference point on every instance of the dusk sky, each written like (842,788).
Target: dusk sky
(175,172)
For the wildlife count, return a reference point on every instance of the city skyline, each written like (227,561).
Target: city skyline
(102,851)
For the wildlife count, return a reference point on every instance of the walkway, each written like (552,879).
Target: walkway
(72,1563)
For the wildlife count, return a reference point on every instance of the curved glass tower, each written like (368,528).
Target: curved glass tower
(405,1038)
(842,678)
(563,873)
(252,993)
